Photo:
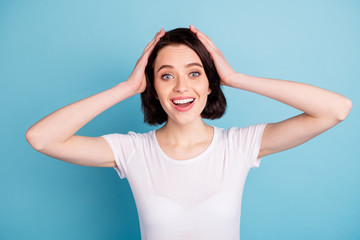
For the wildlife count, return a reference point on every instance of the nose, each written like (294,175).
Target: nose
(181,85)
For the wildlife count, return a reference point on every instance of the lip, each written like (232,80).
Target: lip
(180,98)
(182,109)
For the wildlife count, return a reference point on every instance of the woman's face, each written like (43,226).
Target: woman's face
(180,83)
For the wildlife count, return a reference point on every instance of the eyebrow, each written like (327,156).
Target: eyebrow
(188,65)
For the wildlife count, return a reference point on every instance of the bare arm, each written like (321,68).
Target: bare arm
(54,134)
(322,108)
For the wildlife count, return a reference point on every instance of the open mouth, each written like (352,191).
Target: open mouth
(183,102)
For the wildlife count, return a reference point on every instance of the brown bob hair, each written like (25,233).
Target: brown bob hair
(216,103)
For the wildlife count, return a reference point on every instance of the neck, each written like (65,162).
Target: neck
(188,134)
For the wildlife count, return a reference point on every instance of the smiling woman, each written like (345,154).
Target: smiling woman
(181,42)
(176,93)
(187,177)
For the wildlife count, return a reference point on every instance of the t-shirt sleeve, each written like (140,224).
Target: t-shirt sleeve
(123,147)
(248,141)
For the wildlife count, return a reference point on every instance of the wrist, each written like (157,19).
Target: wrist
(124,90)
(236,80)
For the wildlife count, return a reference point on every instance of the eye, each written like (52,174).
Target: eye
(166,76)
(195,74)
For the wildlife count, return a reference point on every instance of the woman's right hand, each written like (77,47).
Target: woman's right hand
(137,79)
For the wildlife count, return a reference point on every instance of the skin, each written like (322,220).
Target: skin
(54,135)
(322,109)
(185,134)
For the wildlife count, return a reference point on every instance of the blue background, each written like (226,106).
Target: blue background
(53,53)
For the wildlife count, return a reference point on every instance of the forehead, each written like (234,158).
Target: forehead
(176,54)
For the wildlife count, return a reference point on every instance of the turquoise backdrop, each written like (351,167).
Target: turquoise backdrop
(53,53)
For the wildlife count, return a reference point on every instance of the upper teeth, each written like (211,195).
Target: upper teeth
(182,101)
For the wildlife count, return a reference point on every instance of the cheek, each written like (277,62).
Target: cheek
(203,93)
(162,95)
(205,88)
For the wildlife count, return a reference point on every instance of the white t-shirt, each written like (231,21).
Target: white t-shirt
(198,198)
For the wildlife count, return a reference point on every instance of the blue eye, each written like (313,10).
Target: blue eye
(196,74)
(165,76)
(168,76)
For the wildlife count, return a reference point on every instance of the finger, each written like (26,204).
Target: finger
(208,45)
(152,41)
(160,34)
(149,45)
(197,32)
(193,29)
(203,38)
(149,48)
(206,39)
(152,44)
(157,37)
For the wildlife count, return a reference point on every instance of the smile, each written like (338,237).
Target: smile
(183,105)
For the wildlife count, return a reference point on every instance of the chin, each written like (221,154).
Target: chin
(185,120)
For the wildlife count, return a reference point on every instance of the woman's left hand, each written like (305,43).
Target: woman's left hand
(226,73)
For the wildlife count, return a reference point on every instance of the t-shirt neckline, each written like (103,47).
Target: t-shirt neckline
(190,160)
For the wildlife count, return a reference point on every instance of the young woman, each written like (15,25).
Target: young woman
(187,177)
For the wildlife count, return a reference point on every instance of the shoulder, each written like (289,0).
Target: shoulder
(241,132)
(248,128)
(130,137)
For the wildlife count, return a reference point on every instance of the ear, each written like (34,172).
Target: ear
(209,91)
